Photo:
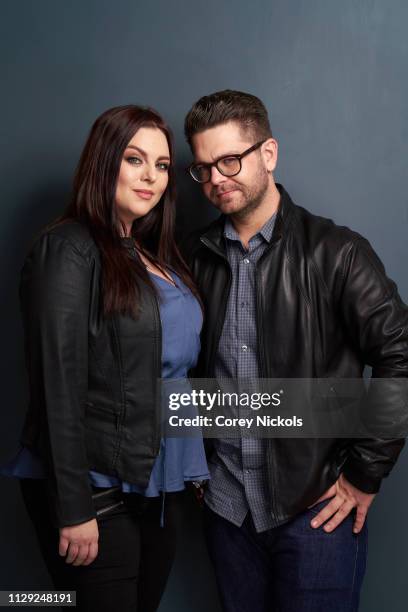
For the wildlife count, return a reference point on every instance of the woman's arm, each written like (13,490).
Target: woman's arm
(54,294)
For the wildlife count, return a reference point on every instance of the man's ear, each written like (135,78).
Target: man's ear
(270,154)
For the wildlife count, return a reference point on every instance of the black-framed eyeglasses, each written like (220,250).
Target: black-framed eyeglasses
(230,165)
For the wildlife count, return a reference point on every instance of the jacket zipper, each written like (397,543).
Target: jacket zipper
(220,320)
(262,370)
(158,348)
(259,320)
(158,371)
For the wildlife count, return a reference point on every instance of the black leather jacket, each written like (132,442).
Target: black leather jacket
(325,308)
(92,380)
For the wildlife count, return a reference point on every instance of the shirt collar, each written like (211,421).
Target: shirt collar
(265,231)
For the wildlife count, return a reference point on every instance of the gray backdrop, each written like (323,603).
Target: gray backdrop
(334,78)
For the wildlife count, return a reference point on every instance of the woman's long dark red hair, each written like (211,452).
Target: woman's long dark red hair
(93,203)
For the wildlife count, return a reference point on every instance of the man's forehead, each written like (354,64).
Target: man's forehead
(224,139)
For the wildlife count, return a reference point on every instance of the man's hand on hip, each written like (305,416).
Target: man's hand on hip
(344,497)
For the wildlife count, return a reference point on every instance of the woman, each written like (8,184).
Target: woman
(109,307)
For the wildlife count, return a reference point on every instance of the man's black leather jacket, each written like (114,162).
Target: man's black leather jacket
(325,308)
(92,380)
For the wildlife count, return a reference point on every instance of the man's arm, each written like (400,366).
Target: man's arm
(376,320)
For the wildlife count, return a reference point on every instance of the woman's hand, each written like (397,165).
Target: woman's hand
(80,542)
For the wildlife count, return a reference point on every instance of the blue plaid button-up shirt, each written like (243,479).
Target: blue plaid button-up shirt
(238,466)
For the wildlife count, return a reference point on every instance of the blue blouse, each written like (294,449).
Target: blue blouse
(179,459)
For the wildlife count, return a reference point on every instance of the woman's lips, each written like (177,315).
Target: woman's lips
(146,195)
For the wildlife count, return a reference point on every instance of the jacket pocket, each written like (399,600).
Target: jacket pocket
(97,417)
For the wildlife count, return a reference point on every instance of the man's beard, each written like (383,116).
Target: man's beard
(253,196)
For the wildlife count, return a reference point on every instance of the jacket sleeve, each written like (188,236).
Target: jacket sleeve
(54,297)
(376,319)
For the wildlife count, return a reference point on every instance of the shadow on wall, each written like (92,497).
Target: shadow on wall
(35,211)
(21,566)
(192,584)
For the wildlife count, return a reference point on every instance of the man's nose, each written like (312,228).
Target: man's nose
(216,176)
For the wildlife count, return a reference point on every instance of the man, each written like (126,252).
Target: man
(287,295)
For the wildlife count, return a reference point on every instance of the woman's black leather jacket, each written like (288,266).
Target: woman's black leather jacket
(93,381)
(325,308)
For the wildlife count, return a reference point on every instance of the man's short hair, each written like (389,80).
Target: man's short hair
(228,105)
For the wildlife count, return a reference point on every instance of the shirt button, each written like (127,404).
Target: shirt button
(244,348)
(247,471)
(246,260)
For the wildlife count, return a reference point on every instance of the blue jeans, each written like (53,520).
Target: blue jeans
(291,568)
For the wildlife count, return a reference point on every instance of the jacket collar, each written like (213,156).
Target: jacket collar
(215,232)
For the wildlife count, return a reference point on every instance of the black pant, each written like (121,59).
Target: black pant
(135,553)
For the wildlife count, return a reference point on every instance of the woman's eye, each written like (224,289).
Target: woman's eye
(163,166)
(134,160)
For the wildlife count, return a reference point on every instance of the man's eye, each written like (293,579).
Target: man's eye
(134,160)
(163,166)
(228,161)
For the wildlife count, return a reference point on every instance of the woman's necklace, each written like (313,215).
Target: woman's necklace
(166,276)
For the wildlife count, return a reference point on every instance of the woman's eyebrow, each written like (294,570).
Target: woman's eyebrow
(144,152)
(137,149)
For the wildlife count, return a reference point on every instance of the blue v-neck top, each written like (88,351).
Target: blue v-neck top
(179,459)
